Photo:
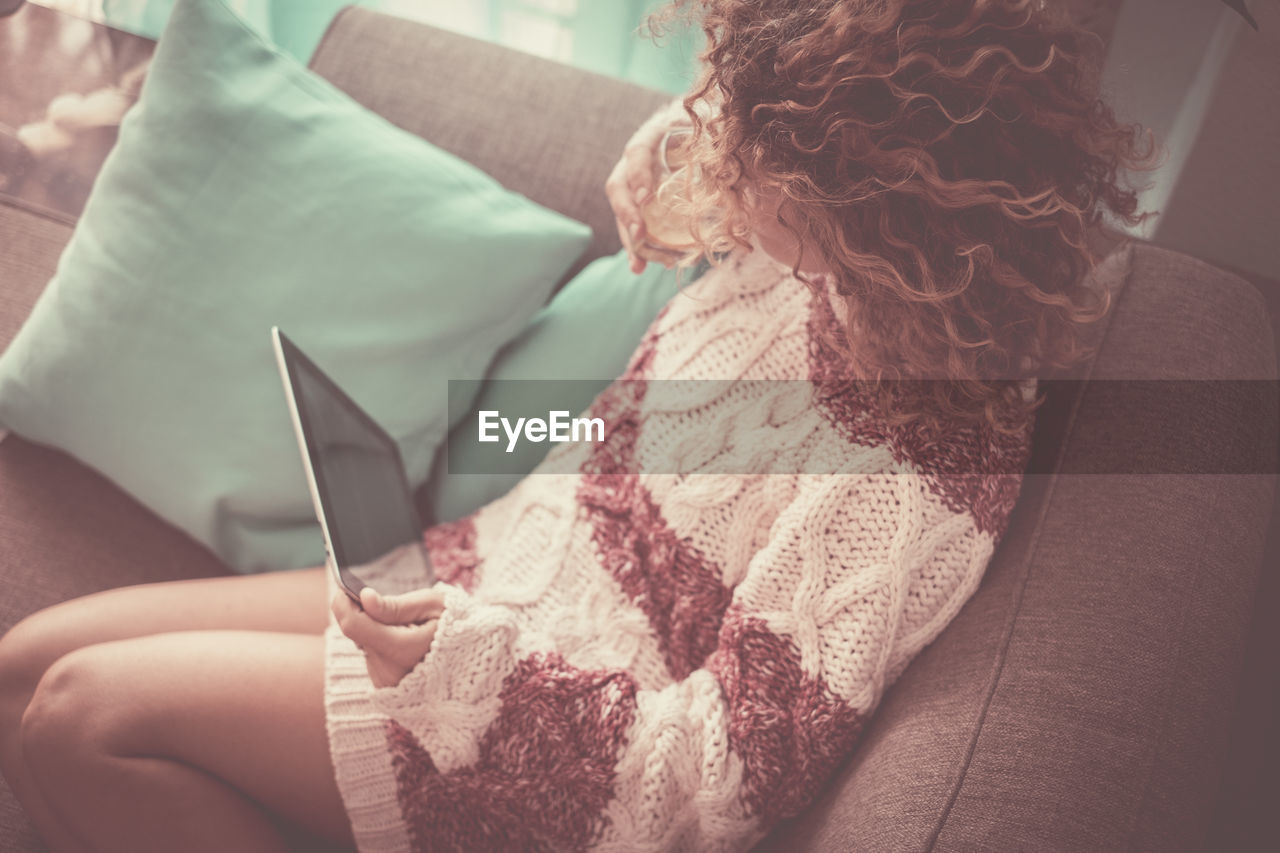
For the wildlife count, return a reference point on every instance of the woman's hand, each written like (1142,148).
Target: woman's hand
(629,186)
(394,632)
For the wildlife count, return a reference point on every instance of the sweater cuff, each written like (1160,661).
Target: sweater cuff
(449,699)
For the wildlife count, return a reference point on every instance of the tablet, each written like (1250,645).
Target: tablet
(354,471)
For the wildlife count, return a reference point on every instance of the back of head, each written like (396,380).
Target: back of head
(946,159)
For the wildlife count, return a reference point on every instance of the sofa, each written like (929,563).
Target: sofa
(1084,697)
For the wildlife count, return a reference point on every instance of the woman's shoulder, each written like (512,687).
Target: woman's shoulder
(741,279)
(746,317)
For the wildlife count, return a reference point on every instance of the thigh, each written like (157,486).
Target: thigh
(292,601)
(245,707)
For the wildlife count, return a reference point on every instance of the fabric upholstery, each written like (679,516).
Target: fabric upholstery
(30,244)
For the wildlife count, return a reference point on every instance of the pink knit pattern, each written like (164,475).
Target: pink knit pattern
(949,463)
(556,723)
(453,551)
(645,654)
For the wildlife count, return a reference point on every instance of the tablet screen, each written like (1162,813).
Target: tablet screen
(368,507)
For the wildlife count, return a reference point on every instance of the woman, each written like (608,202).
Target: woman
(624,655)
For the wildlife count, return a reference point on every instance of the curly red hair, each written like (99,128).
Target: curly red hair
(944,158)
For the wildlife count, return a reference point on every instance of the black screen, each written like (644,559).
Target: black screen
(364,492)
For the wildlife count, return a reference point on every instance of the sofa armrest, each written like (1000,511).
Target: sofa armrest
(543,129)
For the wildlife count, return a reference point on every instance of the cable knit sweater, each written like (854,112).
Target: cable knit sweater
(676,661)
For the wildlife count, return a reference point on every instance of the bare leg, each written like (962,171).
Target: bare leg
(285,601)
(187,741)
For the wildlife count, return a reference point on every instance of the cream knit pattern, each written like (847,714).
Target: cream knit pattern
(675,659)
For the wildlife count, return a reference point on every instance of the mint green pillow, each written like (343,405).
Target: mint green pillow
(574,347)
(244,192)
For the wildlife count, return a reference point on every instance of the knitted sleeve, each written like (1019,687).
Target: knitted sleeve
(500,742)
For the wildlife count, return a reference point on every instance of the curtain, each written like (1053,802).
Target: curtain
(598,35)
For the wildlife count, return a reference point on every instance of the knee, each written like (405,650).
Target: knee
(68,715)
(24,651)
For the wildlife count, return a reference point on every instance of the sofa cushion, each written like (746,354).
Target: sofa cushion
(244,192)
(541,128)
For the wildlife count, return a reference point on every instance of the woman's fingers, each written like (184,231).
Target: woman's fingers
(396,650)
(342,607)
(391,651)
(402,645)
(350,620)
(360,627)
(629,185)
(626,216)
(409,644)
(639,160)
(637,263)
(412,607)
